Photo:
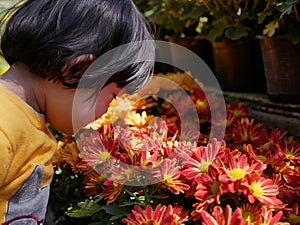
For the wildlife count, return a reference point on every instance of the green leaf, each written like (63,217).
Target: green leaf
(102,218)
(236,33)
(262,16)
(217,30)
(84,209)
(115,211)
(287,7)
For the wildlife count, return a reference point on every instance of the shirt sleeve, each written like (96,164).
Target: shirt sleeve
(5,157)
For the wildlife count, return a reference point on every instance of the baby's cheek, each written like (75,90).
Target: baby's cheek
(101,108)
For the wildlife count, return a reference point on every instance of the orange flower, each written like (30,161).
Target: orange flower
(161,215)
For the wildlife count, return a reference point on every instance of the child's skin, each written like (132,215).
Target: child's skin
(53,99)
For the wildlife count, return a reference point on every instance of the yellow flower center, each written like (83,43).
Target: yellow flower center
(248,216)
(103,156)
(289,155)
(151,222)
(215,187)
(128,171)
(257,189)
(168,180)
(203,167)
(201,104)
(237,173)
(236,113)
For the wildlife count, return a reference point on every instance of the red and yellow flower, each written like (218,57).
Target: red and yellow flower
(201,159)
(219,217)
(169,174)
(161,215)
(263,190)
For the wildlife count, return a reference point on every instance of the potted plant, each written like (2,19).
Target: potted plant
(231,26)
(280,46)
(179,22)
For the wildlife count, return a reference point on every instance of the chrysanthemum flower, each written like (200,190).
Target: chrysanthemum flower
(220,218)
(291,150)
(111,191)
(138,120)
(293,215)
(283,189)
(252,157)
(201,104)
(185,80)
(178,102)
(263,190)
(201,159)
(273,140)
(68,153)
(238,110)
(130,143)
(269,219)
(169,174)
(123,173)
(98,152)
(184,150)
(120,108)
(189,132)
(251,213)
(161,215)
(208,191)
(290,189)
(246,132)
(93,182)
(236,170)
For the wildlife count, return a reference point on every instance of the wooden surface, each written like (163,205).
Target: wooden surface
(285,116)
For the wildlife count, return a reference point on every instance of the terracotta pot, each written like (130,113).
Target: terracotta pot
(238,65)
(282,69)
(201,47)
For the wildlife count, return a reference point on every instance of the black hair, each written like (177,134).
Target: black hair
(46,35)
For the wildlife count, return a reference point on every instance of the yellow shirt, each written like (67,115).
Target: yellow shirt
(26,148)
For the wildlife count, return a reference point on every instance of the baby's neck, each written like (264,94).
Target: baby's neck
(25,85)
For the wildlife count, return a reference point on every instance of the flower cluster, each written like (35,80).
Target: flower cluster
(145,163)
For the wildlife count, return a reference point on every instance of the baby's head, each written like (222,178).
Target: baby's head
(58,40)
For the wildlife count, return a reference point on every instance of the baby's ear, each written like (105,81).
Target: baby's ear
(79,65)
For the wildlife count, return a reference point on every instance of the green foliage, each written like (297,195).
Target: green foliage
(176,18)
(231,19)
(116,211)
(99,212)
(84,209)
(281,18)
